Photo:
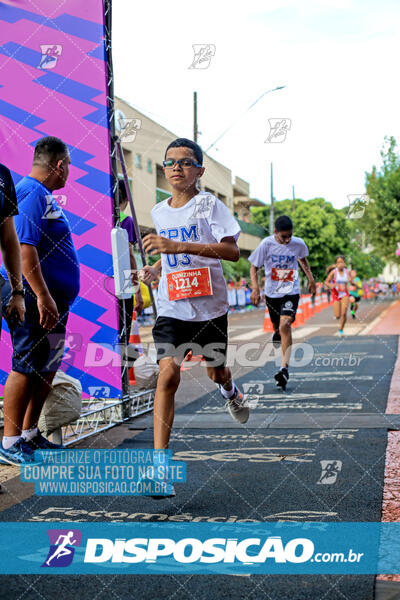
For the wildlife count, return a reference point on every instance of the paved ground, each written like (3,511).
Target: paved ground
(315,453)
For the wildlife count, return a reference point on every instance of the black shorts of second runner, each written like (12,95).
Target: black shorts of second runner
(173,337)
(287,305)
(355,298)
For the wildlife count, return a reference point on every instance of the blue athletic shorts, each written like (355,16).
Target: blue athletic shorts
(35,350)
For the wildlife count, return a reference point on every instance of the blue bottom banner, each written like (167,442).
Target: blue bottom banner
(200,548)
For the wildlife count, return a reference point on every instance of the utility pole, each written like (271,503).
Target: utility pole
(293,200)
(271,214)
(195,130)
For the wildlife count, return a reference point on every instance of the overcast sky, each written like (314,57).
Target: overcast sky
(338,59)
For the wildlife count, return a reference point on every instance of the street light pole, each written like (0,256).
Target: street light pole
(280,87)
(195,129)
(271,213)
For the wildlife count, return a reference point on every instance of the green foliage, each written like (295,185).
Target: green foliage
(152,259)
(366,265)
(381,220)
(236,270)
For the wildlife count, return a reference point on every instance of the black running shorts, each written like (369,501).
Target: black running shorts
(287,305)
(173,337)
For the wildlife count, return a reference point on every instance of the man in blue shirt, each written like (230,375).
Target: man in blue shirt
(50,270)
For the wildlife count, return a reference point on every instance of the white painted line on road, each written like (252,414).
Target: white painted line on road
(304,331)
(249,335)
(319,374)
(350,330)
(286,396)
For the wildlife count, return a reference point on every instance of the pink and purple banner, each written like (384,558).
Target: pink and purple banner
(53,81)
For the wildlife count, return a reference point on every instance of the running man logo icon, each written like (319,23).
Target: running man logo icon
(62,547)
(253,388)
(203,207)
(357,205)
(99,391)
(50,55)
(128,129)
(278,129)
(330,471)
(203,54)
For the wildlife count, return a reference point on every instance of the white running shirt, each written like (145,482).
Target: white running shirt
(206,220)
(280,264)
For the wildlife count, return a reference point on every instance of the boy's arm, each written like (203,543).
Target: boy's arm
(303,262)
(226,249)
(255,293)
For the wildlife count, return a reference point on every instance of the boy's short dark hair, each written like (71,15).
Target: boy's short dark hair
(123,196)
(185,143)
(283,223)
(49,150)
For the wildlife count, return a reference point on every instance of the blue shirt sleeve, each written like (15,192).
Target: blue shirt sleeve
(29,222)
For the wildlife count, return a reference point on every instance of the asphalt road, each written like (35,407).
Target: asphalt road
(304,455)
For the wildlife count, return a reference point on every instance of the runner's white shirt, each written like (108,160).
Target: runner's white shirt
(280,264)
(205,220)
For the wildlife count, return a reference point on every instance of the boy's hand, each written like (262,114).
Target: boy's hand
(148,274)
(156,243)
(312,287)
(255,297)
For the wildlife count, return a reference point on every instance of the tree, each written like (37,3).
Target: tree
(381,220)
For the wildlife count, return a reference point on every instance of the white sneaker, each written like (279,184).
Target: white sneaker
(237,407)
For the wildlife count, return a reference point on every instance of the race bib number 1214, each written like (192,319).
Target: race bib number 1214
(191,283)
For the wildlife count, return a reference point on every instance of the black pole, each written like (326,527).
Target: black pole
(123,334)
(195,129)
(134,219)
(271,214)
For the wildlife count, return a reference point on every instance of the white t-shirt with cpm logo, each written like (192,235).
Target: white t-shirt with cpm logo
(204,220)
(280,264)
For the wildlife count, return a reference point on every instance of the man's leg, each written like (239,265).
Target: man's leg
(40,391)
(164,400)
(17,393)
(285,330)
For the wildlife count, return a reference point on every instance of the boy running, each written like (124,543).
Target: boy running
(279,255)
(194,232)
(356,292)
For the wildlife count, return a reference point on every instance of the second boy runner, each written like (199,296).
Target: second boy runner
(279,254)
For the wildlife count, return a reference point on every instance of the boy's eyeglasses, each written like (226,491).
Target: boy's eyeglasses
(186,163)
